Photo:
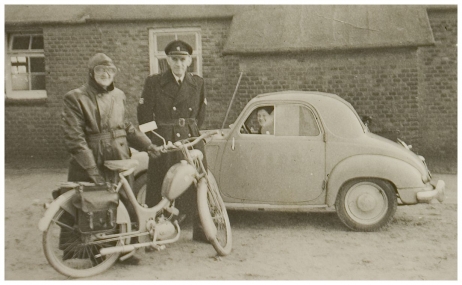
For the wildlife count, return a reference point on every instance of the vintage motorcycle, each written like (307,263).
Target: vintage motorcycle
(88,228)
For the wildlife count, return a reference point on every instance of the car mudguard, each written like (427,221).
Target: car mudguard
(401,174)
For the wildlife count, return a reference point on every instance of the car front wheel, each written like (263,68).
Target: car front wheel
(366,204)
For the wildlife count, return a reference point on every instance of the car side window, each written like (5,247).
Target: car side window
(295,120)
(260,121)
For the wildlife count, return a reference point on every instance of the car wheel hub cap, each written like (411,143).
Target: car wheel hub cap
(366,202)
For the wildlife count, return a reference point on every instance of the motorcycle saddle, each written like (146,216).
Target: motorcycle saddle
(121,165)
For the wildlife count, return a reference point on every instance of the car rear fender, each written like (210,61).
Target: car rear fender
(398,172)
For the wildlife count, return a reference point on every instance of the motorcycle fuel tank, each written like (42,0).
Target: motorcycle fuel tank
(177,180)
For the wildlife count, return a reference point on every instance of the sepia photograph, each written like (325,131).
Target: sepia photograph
(217,142)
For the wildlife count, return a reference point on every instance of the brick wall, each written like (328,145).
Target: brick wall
(34,130)
(410,91)
(378,83)
(438,87)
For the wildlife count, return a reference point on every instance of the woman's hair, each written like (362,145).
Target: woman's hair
(268,109)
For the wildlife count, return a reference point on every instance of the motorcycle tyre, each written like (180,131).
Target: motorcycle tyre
(56,262)
(208,202)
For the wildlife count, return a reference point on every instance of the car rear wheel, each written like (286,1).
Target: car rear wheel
(366,204)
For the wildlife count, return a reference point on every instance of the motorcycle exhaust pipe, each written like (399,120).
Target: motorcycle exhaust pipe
(117,249)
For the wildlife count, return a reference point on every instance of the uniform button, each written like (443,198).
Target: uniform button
(174,108)
(189,135)
(178,135)
(190,109)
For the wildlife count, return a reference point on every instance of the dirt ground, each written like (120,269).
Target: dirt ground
(419,244)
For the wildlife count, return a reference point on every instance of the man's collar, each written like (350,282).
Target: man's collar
(178,78)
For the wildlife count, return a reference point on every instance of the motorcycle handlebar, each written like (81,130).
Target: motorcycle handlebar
(170,147)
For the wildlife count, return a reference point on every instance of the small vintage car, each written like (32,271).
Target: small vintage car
(316,153)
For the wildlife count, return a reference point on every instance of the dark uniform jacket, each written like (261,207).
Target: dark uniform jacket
(178,111)
(165,102)
(91,139)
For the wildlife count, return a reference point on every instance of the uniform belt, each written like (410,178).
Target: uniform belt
(107,135)
(177,122)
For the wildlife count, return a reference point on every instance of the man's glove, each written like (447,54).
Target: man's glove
(153,151)
(95,176)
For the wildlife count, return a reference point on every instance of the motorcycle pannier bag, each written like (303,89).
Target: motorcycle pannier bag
(96,207)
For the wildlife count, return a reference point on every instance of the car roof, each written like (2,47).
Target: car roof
(299,95)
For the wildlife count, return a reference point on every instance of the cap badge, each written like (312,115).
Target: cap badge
(178,48)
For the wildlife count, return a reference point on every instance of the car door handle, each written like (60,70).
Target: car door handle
(232,145)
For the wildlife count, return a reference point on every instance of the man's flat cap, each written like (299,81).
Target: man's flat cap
(178,47)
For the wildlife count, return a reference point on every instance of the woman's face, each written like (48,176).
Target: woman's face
(263,117)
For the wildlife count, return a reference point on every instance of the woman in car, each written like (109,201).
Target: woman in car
(265,119)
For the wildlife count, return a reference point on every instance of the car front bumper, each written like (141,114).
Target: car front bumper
(437,192)
(423,194)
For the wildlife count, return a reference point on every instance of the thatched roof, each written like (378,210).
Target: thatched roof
(262,29)
(297,28)
(32,14)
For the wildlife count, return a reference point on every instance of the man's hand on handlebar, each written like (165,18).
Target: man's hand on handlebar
(153,151)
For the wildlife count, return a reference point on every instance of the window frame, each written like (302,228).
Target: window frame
(29,53)
(310,108)
(155,55)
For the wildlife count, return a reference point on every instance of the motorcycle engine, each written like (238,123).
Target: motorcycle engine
(164,228)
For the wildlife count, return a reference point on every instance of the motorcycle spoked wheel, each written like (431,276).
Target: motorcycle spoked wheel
(213,215)
(72,253)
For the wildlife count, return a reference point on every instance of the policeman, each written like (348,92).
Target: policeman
(175,100)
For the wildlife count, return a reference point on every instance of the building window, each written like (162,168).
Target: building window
(158,40)
(25,66)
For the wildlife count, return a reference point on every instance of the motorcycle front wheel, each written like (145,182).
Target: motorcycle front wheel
(73,253)
(213,215)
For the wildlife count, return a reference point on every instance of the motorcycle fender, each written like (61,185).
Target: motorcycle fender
(64,200)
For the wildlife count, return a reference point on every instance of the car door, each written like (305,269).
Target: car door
(287,166)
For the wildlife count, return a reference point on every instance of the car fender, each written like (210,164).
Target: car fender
(401,174)
(62,202)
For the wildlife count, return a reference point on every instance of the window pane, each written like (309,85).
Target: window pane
(287,120)
(20,81)
(38,81)
(21,42)
(189,38)
(163,40)
(163,65)
(193,67)
(37,42)
(37,64)
(308,126)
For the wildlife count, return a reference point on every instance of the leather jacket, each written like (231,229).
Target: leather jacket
(91,139)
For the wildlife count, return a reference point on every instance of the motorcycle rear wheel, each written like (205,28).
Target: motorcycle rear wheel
(72,253)
(213,215)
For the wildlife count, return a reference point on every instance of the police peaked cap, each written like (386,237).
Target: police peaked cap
(178,48)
